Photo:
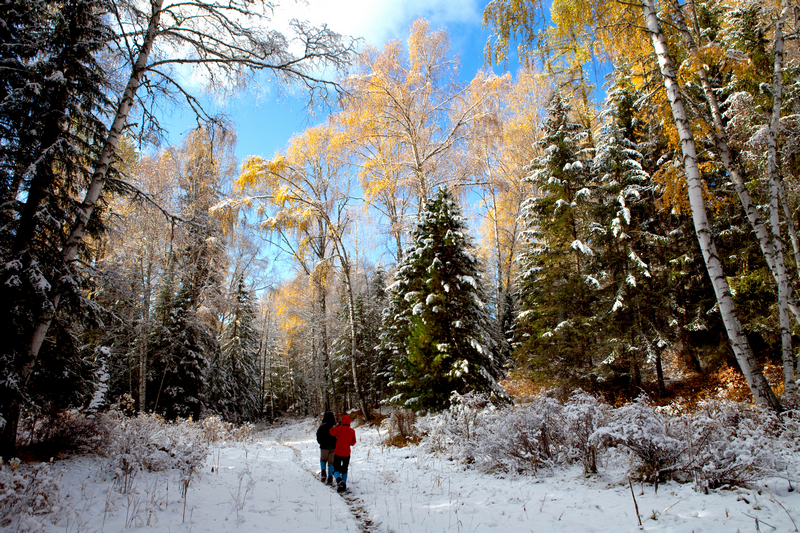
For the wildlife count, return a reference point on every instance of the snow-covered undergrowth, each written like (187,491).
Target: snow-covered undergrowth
(125,448)
(722,467)
(718,443)
(28,493)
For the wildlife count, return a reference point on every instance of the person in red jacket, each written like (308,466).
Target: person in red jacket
(345,437)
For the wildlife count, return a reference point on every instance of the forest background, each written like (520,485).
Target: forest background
(642,240)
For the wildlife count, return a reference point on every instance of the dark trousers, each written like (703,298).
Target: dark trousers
(340,464)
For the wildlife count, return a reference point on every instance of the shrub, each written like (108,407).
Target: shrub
(712,443)
(646,433)
(584,415)
(729,444)
(149,442)
(453,429)
(215,429)
(402,429)
(48,434)
(522,439)
(28,495)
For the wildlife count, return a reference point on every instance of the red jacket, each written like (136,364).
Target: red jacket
(345,437)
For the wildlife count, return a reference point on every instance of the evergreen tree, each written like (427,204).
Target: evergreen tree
(186,340)
(375,301)
(623,186)
(180,349)
(632,310)
(372,369)
(51,105)
(557,289)
(438,330)
(232,386)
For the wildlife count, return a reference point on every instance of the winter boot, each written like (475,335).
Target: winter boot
(342,487)
(323,476)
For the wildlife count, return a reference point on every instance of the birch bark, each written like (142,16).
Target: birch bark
(774,187)
(719,138)
(759,387)
(85,209)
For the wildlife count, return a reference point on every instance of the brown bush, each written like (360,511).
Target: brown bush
(45,435)
(402,430)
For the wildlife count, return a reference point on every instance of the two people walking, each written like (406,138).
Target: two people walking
(334,450)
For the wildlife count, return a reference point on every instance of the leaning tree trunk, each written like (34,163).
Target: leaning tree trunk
(85,209)
(771,244)
(759,387)
(719,138)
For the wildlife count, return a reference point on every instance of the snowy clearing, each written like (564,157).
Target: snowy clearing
(271,484)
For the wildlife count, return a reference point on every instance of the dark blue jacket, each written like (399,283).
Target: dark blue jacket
(324,438)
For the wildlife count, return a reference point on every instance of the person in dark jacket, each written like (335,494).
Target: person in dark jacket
(345,437)
(327,444)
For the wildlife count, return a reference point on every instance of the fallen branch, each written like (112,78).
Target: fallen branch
(758,521)
(673,505)
(636,505)
(772,497)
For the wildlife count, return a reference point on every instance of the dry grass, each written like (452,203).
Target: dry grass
(399,441)
(520,387)
(402,429)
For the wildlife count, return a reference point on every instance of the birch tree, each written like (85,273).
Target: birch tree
(775,198)
(230,42)
(595,15)
(307,190)
(501,143)
(758,384)
(407,103)
(769,239)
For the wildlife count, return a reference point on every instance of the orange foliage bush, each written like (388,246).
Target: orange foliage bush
(732,385)
(520,388)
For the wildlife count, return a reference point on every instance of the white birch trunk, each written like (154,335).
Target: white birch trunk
(86,208)
(68,253)
(719,137)
(759,386)
(144,332)
(787,214)
(774,188)
(353,344)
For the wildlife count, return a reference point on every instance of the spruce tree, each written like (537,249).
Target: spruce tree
(631,308)
(557,291)
(52,99)
(438,330)
(232,387)
(180,349)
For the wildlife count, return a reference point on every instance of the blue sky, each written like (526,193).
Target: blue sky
(266,122)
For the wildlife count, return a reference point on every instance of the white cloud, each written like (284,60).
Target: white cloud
(377,21)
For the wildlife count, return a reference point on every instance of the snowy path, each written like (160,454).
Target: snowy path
(403,491)
(244,488)
(355,504)
(271,485)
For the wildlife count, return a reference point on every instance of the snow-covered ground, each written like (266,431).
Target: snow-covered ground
(271,484)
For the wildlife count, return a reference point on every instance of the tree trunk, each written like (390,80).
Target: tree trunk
(353,345)
(774,188)
(85,209)
(144,332)
(759,387)
(719,138)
